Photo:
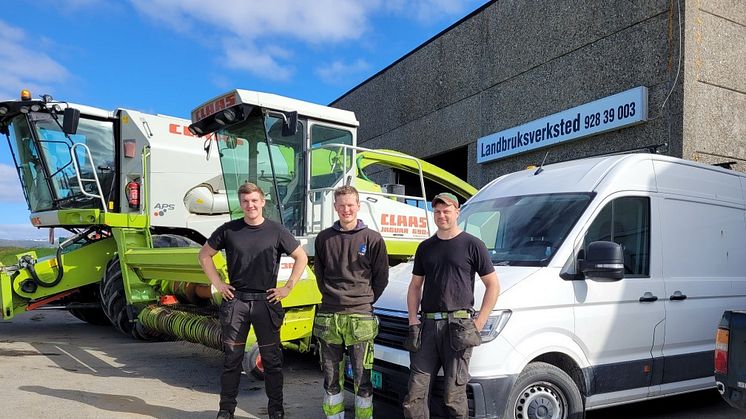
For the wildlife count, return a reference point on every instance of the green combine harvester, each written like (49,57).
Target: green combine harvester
(138,194)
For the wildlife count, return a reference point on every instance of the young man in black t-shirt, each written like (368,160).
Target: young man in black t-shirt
(445,264)
(253,246)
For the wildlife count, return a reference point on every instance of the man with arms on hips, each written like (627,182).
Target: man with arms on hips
(442,287)
(253,246)
(351,267)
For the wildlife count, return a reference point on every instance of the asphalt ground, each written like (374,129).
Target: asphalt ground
(52,365)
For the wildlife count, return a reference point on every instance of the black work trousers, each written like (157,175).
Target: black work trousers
(443,345)
(236,318)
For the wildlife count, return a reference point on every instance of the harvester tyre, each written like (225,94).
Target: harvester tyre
(114,299)
(91,315)
(114,303)
(252,362)
(94,316)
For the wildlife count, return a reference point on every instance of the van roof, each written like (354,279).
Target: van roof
(620,172)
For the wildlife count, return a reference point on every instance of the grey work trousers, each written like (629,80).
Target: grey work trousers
(437,350)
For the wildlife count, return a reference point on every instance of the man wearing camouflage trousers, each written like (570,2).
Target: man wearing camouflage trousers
(351,267)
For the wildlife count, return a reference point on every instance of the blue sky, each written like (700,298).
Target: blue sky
(167,56)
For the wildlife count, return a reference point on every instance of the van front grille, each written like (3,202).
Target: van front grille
(393,328)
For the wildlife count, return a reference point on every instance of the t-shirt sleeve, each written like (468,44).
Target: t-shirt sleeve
(217,239)
(483,260)
(288,243)
(418,268)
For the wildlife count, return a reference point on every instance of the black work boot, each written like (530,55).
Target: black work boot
(277,415)
(224,414)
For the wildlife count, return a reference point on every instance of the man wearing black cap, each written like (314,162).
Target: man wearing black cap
(444,333)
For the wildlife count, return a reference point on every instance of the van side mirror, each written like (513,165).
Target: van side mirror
(70,122)
(604,260)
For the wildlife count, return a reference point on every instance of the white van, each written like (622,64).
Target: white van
(580,326)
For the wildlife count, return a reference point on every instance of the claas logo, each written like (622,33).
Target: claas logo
(403,220)
(213,107)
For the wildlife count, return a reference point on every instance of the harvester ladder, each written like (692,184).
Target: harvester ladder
(81,179)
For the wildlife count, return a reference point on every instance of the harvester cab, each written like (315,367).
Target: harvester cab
(299,152)
(81,166)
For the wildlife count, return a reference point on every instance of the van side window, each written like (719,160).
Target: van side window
(626,221)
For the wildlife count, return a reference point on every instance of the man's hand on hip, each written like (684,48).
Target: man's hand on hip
(225,290)
(276,294)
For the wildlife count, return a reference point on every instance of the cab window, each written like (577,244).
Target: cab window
(328,163)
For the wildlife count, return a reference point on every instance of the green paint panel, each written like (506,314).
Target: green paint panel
(6,296)
(170,264)
(399,248)
(412,165)
(82,266)
(136,290)
(87,217)
(124,220)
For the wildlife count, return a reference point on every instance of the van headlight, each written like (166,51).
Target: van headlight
(495,324)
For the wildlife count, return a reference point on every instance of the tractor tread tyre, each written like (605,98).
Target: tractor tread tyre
(544,391)
(114,302)
(94,316)
(91,315)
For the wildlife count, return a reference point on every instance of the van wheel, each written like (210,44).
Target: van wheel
(252,362)
(544,391)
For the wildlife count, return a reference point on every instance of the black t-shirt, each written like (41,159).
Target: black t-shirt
(449,267)
(253,252)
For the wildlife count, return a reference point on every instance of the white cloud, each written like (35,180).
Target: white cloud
(23,232)
(429,11)
(258,36)
(10,186)
(338,71)
(24,66)
(252,34)
(248,57)
(326,20)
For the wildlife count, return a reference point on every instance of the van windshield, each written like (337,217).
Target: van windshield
(524,230)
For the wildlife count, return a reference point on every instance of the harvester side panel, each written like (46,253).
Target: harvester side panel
(83,266)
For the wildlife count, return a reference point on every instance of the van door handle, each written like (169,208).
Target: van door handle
(648,297)
(677,296)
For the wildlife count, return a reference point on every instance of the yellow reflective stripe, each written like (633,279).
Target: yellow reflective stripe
(333,404)
(363,407)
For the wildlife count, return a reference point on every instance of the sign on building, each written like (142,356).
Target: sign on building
(613,112)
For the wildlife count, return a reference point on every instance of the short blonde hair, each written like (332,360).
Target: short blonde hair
(248,188)
(346,190)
